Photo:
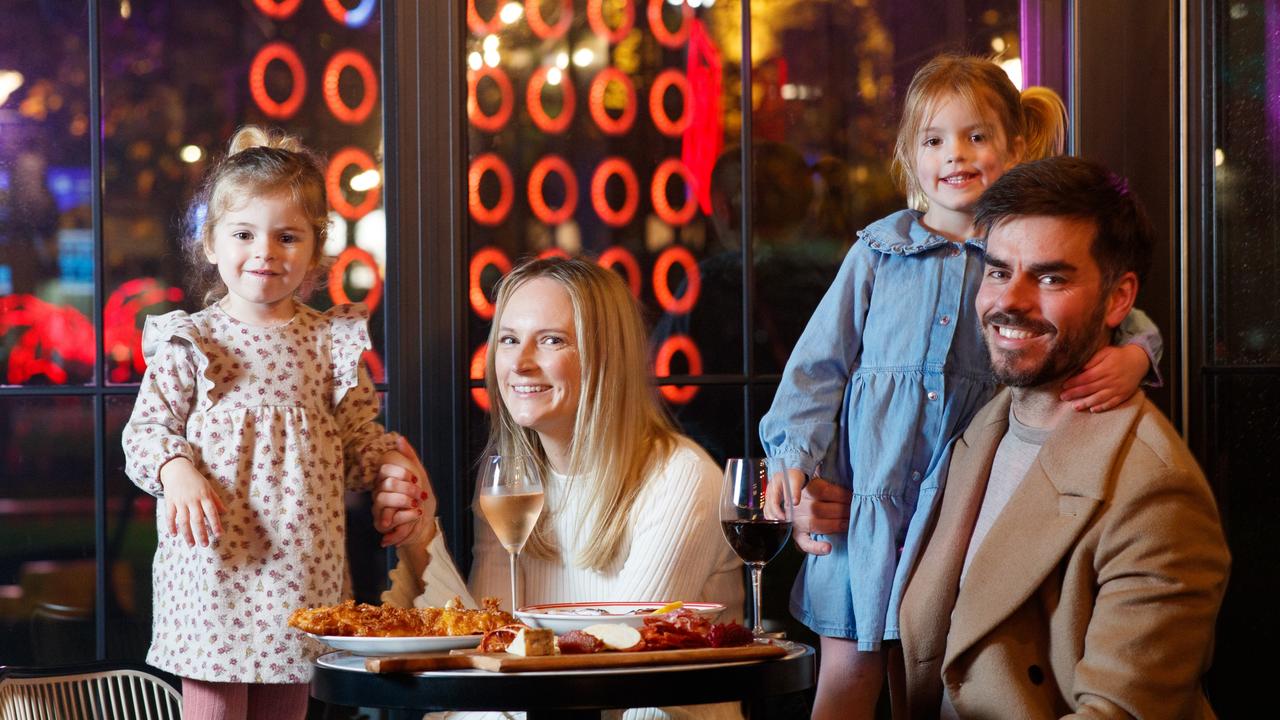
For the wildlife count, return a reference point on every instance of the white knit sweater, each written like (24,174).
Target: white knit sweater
(675,552)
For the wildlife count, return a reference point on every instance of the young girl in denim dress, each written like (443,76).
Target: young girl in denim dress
(253,417)
(892,365)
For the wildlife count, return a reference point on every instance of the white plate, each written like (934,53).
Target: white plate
(563,617)
(397,645)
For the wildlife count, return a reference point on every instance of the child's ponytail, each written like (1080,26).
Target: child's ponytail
(1045,123)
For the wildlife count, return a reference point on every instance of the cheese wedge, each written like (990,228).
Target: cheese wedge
(532,642)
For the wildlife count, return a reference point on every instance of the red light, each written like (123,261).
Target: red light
(596,102)
(333,71)
(537,201)
(495,122)
(595,17)
(333,183)
(670,78)
(258,80)
(533,100)
(665,37)
(539,26)
(506,194)
(483,258)
(339,270)
(662,289)
(678,394)
(658,193)
(620,167)
(618,255)
(479,25)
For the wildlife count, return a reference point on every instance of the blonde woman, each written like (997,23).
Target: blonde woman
(631,505)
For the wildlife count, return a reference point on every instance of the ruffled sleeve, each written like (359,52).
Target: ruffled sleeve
(364,440)
(175,381)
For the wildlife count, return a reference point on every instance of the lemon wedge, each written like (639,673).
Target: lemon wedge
(669,607)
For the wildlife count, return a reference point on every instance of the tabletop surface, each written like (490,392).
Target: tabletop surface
(341,678)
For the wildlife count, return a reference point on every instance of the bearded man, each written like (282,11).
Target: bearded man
(1076,564)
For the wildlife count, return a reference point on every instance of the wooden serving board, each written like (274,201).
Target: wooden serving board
(508,663)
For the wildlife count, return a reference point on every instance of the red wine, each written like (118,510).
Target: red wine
(756,541)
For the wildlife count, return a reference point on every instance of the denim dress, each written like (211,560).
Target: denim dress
(893,366)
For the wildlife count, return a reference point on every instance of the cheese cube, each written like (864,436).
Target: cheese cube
(531,642)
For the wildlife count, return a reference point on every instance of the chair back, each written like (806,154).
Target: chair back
(110,693)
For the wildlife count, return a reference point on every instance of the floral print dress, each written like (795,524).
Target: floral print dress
(280,420)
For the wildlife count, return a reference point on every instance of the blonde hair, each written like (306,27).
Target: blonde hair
(620,431)
(259,162)
(1036,115)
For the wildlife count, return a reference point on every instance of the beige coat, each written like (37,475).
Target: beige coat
(1096,591)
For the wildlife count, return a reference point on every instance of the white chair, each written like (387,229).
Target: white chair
(102,691)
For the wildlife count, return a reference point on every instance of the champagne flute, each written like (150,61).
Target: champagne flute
(511,500)
(756,526)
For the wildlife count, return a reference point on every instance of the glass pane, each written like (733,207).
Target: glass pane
(131,544)
(711,415)
(178,79)
(46,246)
(594,130)
(47,564)
(1246,321)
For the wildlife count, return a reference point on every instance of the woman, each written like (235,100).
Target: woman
(631,505)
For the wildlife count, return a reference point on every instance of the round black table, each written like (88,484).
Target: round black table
(341,678)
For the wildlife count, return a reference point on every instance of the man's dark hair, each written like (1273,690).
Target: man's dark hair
(1072,187)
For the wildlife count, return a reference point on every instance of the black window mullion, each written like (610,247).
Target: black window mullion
(748,230)
(99,355)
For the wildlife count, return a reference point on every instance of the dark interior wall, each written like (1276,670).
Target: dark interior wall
(1124,103)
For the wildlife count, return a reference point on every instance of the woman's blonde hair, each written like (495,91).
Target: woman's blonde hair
(260,162)
(620,431)
(1036,115)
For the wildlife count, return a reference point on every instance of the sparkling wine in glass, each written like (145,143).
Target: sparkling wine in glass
(756,518)
(511,500)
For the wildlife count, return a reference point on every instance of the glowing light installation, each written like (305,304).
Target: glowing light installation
(498,120)
(357,16)
(277,9)
(479,166)
(618,255)
(333,183)
(595,18)
(539,25)
(662,287)
(599,84)
(338,293)
(620,167)
(657,110)
(479,25)
(284,52)
(668,38)
(533,100)
(333,72)
(682,394)
(483,258)
(537,200)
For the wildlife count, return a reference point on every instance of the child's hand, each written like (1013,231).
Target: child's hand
(190,503)
(404,507)
(823,509)
(1110,377)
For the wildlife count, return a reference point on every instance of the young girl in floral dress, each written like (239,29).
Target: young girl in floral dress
(253,417)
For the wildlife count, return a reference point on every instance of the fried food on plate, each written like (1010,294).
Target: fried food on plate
(353,619)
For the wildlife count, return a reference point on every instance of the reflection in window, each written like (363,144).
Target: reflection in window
(47,568)
(46,247)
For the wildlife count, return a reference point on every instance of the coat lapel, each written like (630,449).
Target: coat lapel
(1039,526)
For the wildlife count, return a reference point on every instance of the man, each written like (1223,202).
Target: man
(1076,563)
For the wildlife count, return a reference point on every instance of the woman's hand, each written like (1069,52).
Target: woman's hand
(1110,377)
(190,503)
(404,507)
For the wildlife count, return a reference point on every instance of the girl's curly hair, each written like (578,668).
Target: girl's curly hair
(259,162)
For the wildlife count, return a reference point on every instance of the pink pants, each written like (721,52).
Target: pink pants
(242,701)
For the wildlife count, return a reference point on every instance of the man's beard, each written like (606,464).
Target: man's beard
(1065,355)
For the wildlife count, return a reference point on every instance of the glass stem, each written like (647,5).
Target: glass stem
(515,600)
(757,570)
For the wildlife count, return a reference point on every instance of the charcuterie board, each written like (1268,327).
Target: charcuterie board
(507,663)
